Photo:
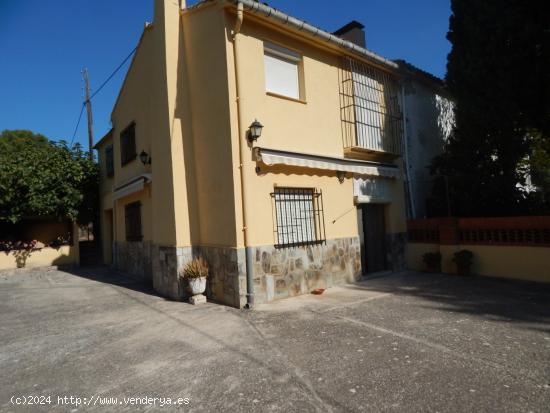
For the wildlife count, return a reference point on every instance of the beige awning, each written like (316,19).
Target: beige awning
(275,157)
(133,185)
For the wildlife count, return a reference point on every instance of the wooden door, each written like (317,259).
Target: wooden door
(374,238)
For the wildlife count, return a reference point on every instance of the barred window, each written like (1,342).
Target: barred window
(370,110)
(128,144)
(299,218)
(109,161)
(132,218)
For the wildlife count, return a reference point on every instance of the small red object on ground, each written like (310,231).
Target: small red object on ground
(318,291)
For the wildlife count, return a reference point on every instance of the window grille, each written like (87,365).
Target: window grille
(369,108)
(128,144)
(299,218)
(132,215)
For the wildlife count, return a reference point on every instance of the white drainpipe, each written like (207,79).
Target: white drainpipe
(242,155)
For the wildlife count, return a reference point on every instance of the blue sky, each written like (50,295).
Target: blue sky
(45,44)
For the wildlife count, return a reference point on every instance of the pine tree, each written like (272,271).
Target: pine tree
(497,72)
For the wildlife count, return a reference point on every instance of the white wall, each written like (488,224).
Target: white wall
(429,121)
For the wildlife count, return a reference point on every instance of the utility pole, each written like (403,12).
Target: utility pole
(88,104)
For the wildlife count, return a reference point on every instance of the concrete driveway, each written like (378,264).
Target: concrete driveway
(405,342)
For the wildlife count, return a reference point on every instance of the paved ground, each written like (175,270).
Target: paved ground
(406,342)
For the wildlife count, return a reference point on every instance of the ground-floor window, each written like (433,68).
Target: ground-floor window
(298,214)
(132,218)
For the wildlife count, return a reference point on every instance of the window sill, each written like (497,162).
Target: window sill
(276,95)
(128,160)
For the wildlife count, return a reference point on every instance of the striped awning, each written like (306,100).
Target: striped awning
(276,157)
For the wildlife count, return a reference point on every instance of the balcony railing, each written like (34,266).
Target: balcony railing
(370,111)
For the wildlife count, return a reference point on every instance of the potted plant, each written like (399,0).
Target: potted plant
(432,260)
(463,260)
(195,273)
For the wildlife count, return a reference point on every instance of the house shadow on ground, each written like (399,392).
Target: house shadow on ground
(495,299)
(106,275)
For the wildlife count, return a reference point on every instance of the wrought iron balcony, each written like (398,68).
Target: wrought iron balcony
(372,121)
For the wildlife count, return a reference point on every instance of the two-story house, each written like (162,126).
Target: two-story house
(312,199)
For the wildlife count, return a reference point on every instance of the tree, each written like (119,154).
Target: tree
(39,177)
(498,74)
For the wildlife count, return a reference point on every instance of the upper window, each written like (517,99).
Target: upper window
(282,71)
(299,217)
(128,144)
(132,218)
(109,161)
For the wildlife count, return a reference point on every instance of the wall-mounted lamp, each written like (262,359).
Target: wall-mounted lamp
(341,175)
(255,130)
(145,158)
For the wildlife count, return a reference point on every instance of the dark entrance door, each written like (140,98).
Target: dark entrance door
(374,233)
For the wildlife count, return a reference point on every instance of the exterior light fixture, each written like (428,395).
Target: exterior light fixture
(145,158)
(255,130)
(341,175)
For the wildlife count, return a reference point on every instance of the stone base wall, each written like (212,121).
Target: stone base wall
(227,281)
(278,273)
(282,273)
(168,264)
(134,258)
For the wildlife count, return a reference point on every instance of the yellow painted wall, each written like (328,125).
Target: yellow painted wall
(105,200)
(310,126)
(64,255)
(106,182)
(522,263)
(204,86)
(149,97)
(181,92)
(146,214)
(414,254)
(516,262)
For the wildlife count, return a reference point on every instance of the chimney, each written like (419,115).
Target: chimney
(353,32)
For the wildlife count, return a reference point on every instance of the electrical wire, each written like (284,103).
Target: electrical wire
(114,72)
(77,124)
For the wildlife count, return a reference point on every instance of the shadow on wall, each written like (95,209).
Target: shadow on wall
(21,257)
(491,298)
(35,257)
(36,241)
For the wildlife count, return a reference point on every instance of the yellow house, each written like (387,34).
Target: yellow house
(315,199)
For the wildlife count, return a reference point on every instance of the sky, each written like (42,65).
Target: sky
(45,44)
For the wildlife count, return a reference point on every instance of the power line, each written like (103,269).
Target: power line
(114,72)
(77,124)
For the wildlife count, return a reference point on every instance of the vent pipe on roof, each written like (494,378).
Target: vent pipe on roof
(352,32)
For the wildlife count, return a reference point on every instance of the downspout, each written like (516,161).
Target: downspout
(242,155)
(406,147)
